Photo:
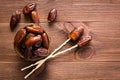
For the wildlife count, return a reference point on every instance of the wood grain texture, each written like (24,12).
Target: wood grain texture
(102,18)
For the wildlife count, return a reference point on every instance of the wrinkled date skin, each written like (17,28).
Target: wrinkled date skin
(35,17)
(28,53)
(52,15)
(15,19)
(45,40)
(20,35)
(41,52)
(35,29)
(19,38)
(84,41)
(29,35)
(32,42)
(76,33)
(38,44)
(29,8)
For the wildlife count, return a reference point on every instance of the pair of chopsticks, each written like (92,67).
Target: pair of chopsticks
(40,62)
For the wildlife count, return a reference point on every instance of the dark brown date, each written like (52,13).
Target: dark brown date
(84,41)
(41,52)
(20,35)
(15,19)
(35,29)
(52,15)
(29,35)
(30,25)
(38,44)
(29,8)
(32,40)
(45,40)
(28,53)
(35,17)
(76,33)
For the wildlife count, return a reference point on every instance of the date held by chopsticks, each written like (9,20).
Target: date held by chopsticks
(74,35)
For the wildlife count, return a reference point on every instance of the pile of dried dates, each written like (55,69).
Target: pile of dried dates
(32,42)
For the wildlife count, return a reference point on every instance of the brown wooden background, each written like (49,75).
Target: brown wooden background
(102,18)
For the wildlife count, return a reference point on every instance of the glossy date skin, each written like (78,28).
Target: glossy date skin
(52,15)
(29,8)
(85,40)
(76,33)
(45,40)
(35,17)
(41,52)
(15,19)
(20,35)
(35,29)
(32,42)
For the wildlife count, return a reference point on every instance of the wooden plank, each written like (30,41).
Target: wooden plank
(71,70)
(96,1)
(82,12)
(99,60)
(71,12)
(68,12)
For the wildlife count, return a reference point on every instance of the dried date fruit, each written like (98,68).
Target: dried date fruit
(76,33)
(32,40)
(35,17)
(52,15)
(20,35)
(30,25)
(41,52)
(15,19)
(29,8)
(38,44)
(45,40)
(35,29)
(84,41)
(28,53)
(29,35)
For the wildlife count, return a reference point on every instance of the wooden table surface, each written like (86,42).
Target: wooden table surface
(100,60)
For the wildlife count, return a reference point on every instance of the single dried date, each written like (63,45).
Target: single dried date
(38,44)
(15,18)
(45,40)
(29,8)
(85,40)
(76,33)
(28,53)
(35,17)
(20,35)
(41,52)
(32,40)
(29,35)
(35,29)
(52,15)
